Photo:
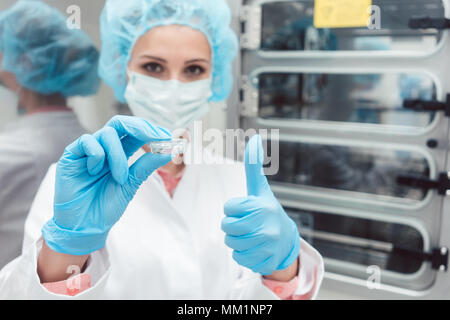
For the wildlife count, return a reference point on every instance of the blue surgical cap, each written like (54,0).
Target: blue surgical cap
(123,22)
(44,54)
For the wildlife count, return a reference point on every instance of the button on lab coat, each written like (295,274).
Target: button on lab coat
(27,149)
(162,247)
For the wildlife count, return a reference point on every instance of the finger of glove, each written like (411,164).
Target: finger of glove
(146,165)
(87,147)
(245,242)
(118,163)
(242,226)
(240,207)
(257,184)
(131,145)
(135,132)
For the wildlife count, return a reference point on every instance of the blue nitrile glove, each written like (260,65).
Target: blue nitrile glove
(259,231)
(94,183)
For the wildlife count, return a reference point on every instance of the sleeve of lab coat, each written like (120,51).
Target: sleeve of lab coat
(310,274)
(19,278)
(250,286)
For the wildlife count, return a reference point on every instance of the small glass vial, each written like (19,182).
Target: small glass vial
(175,146)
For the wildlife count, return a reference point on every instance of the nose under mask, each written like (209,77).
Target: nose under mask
(170,104)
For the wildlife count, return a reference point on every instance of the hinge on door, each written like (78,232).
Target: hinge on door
(429,23)
(442,185)
(251,24)
(438,256)
(431,106)
(249,97)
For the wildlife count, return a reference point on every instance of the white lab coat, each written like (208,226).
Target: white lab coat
(162,247)
(27,148)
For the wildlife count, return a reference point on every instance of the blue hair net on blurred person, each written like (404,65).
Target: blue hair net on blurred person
(124,22)
(44,54)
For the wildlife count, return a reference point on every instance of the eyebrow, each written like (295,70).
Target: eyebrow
(165,61)
(155,58)
(197,60)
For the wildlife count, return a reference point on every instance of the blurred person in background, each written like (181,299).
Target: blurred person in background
(42,64)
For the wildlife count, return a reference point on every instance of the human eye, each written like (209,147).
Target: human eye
(153,67)
(195,71)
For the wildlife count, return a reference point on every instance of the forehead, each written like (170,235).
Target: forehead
(174,40)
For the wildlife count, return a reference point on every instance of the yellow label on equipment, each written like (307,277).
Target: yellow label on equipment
(342,13)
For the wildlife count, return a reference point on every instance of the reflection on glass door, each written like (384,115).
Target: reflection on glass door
(390,246)
(365,170)
(357,98)
(292,28)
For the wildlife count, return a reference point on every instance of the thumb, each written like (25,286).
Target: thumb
(257,183)
(147,164)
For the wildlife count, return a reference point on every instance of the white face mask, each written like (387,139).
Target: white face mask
(169,104)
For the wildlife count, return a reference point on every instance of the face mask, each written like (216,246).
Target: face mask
(169,104)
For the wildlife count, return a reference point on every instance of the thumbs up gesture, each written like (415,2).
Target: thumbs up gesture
(261,234)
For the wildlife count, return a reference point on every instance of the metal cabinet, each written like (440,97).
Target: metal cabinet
(363,120)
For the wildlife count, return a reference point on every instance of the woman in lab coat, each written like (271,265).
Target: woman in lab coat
(42,63)
(137,225)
